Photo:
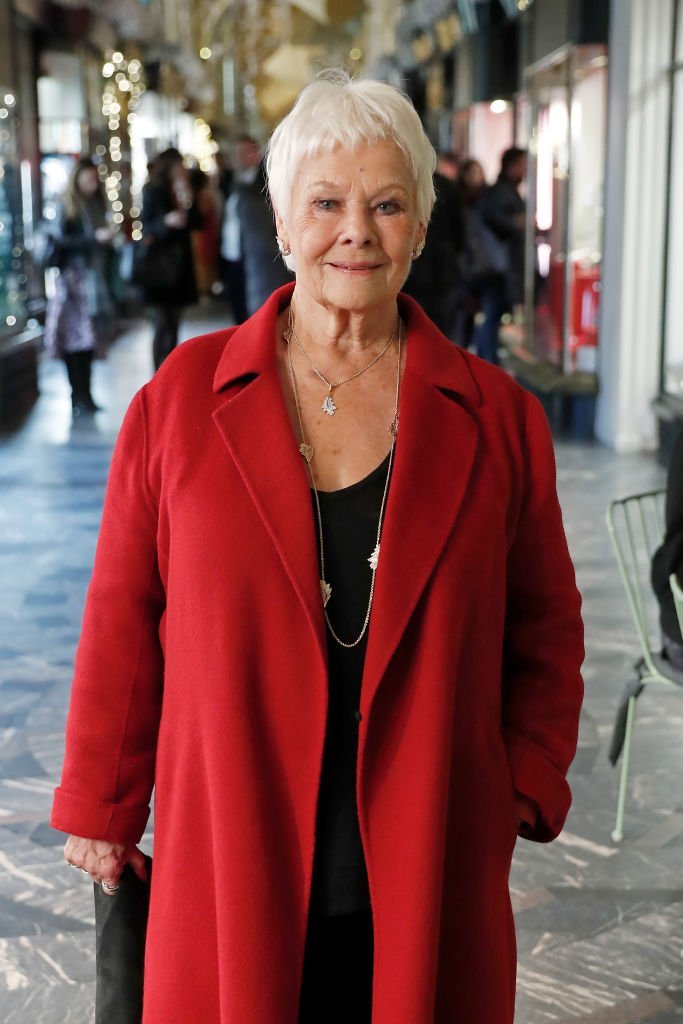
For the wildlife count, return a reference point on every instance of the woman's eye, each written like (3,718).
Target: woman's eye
(325,204)
(388,206)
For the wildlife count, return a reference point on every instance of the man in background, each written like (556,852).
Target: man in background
(253,268)
(503,215)
(246,160)
(434,279)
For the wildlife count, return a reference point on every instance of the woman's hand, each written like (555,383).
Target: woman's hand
(104,861)
(175,219)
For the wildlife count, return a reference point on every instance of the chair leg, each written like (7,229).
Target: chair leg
(618,833)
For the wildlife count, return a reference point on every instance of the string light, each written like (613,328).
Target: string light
(123,88)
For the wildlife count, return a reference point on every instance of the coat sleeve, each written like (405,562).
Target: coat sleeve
(113,719)
(542,686)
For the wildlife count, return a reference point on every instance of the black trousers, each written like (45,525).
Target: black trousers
(166,326)
(337,975)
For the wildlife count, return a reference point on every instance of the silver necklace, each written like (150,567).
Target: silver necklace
(306,451)
(329,405)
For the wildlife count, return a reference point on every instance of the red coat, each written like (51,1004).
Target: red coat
(202,670)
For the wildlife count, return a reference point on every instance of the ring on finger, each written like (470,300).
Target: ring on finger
(110,889)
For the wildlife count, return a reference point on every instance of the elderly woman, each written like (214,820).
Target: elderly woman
(333,622)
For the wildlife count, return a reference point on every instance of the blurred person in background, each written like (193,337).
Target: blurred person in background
(503,213)
(332,623)
(206,239)
(223,174)
(246,161)
(168,218)
(82,238)
(434,280)
(263,269)
(473,265)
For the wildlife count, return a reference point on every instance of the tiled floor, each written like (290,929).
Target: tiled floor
(600,927)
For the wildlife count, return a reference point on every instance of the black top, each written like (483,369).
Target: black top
(350,517)
(175,283)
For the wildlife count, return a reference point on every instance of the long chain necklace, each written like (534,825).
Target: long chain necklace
(306,451)
(328,405)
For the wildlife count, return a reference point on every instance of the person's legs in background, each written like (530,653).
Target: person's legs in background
(493,305)
(167,325)
(79,371)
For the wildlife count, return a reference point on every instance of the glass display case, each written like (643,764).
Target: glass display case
(567,108)
(13,280)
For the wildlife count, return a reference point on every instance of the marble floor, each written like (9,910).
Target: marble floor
(600,927)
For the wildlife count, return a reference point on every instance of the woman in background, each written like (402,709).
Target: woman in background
(168,218)
(82,239)
(206,239)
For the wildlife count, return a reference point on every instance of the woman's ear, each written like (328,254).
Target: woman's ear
(281,229)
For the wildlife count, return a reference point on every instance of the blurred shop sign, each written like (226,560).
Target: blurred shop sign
(291,64)
(331,12)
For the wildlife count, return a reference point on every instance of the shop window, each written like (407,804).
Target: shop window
(567,111)
(12,269)
(672,377)
(61,104)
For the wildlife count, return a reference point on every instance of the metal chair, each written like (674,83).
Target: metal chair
(636,529)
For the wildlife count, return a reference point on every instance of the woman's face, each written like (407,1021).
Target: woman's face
(352,225)
(87,181)
(474,176)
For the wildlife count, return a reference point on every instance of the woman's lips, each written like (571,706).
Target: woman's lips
(356,268)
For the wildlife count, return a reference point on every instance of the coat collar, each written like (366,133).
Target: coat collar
(434,455)
(251,348)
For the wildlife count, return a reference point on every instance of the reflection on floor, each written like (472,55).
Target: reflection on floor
(600,928)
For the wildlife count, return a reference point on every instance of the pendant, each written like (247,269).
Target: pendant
(328,405)
(326,592)
(374,559)
(306,450)
(393,429)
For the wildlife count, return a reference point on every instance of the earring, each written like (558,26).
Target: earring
(284,249)
(418,250)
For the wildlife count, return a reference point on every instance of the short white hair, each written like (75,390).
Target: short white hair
(337,110)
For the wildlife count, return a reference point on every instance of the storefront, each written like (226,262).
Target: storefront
(559,115)
(19,336)
(566,109)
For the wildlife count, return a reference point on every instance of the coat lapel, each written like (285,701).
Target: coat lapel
(435,451)
(434,456)
(256,429)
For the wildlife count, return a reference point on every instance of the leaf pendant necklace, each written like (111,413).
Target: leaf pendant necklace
(306,450)
(328,405)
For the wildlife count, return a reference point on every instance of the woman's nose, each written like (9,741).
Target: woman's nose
(358,228)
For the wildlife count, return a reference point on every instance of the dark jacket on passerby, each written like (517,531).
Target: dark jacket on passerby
(74,236)
(502,210)
(264,270)
(668,558)
(434,278)
(176,284)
